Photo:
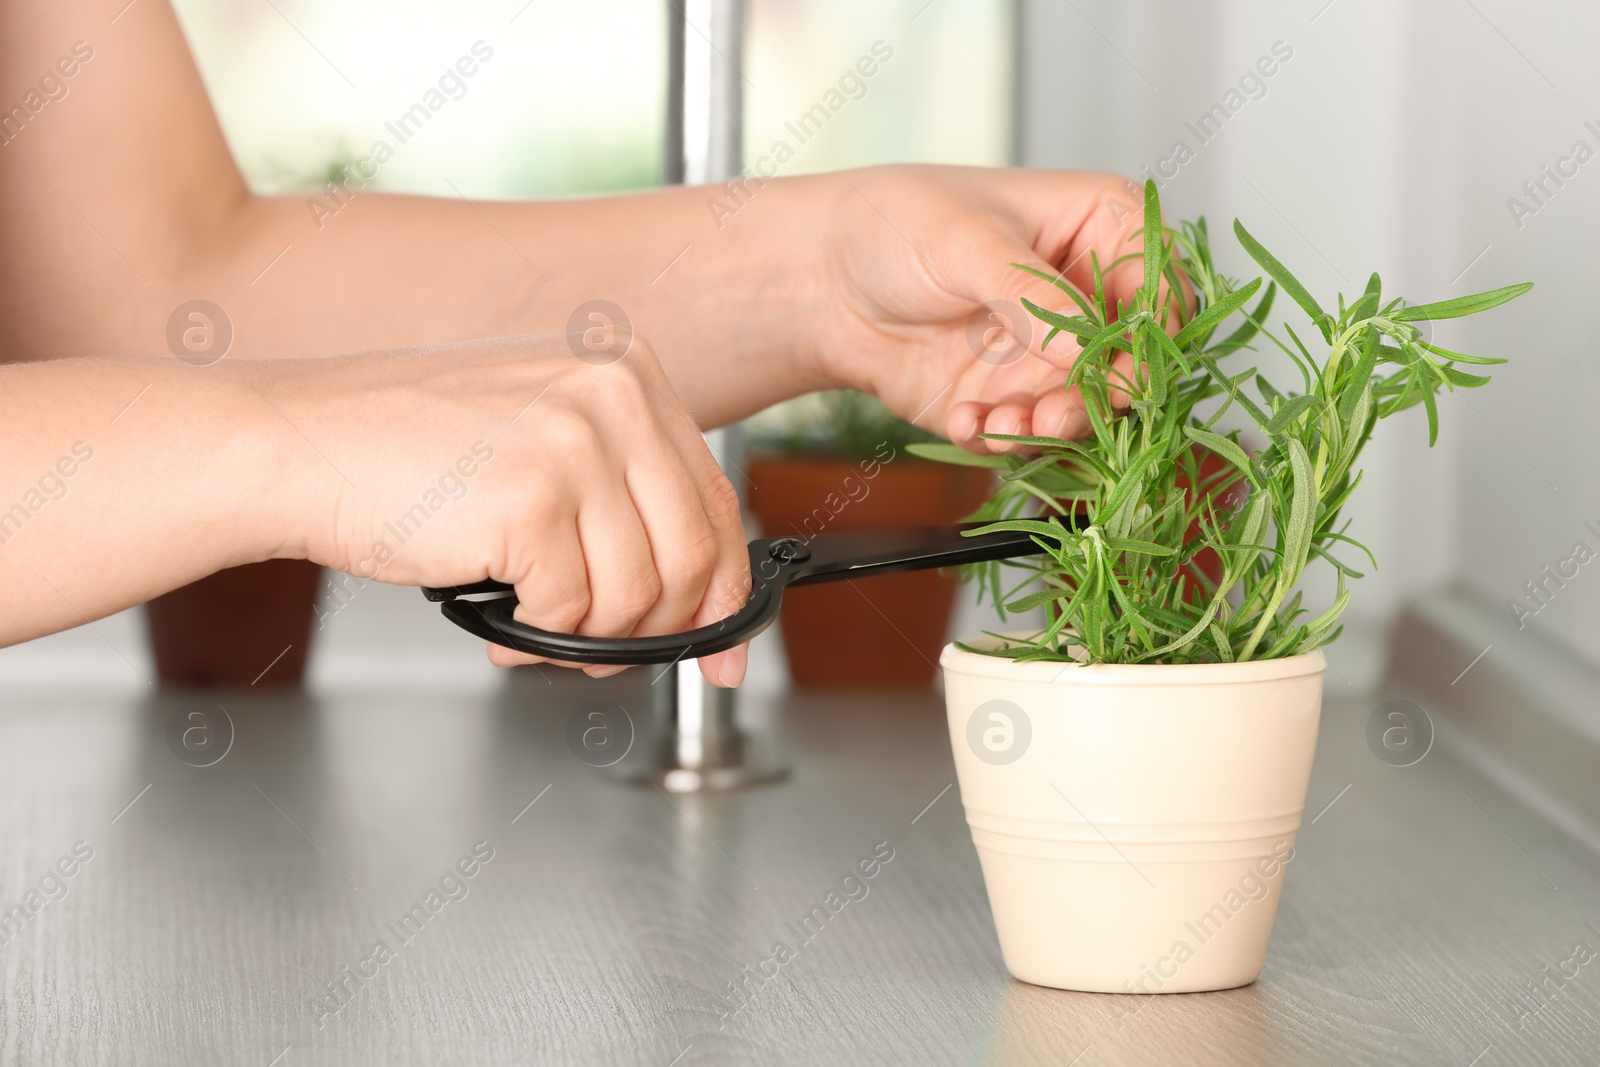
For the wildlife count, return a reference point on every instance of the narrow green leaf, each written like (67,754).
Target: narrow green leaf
(1152,242)
(1027,439)
(1228,450)
(948,453)
(1130,481)
(1461,379)
(1220,637)
(1291,410)
(1286,280)
(1357,544)
(1302,509)
(1161,373)
(1460,357)
(1100,341)
(1355,430)
(1212,316)
(1303,361)
(1187,639)
(1099,285)
(1461,305)
(1367,306)
(1361,374)
(1028,470)
(1032,526)
(1231,387)
(1333,561)
(1251,326)
(1033,600)
(1331,616)
(1130,544)
(1432,404)
(1062,284)
(1076,325)
(1255,524)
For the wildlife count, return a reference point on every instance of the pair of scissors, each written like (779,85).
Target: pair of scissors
(485,608)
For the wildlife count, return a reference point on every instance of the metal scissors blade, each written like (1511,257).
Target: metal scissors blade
(775,564)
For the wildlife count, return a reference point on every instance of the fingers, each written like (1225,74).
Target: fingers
(728,586)
(1069,224)
(1114,230)
(653,543)
(691,515)
(640,560)
(682,542)
(581,560)
(970,419)
(553,590)
(963,425)
(1011,418)
(1111,230)
(1060,414)
(623,582)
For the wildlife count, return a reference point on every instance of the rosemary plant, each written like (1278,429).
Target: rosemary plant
(1166,540)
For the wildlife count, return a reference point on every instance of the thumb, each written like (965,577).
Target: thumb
(997,276)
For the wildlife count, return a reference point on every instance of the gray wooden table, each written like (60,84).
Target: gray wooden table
(230,913)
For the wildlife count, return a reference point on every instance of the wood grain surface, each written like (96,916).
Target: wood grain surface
(614,925)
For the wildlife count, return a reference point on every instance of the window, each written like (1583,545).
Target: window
(571,95)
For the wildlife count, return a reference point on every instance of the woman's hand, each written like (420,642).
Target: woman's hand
(578,479)
(914,255)
(567,470)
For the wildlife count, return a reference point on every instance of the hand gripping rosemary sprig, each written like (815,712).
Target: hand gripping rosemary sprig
(1187,544)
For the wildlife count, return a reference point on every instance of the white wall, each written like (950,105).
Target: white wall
(1530,481)
(1389,141)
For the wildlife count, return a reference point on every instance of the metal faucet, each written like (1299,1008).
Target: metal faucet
(698,745)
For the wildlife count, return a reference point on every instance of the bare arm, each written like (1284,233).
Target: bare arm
(124,478)
(586,486)
(120,202)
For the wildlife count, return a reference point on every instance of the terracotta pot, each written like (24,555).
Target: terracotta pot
(1133,822)
(879,633)
(243,626)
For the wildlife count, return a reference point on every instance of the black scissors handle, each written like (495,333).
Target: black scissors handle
(775,564)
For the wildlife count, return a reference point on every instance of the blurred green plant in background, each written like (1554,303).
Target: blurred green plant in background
(842,424)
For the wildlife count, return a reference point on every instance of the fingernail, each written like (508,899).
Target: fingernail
(734,663)
(1074,424)
(605,672)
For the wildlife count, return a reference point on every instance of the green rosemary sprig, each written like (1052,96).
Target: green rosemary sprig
(1188,544)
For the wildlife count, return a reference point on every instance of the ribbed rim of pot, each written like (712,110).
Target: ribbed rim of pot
(1266,670)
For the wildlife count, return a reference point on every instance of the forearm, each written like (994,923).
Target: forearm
(124,478)
(726,311)
(96,258)
(890,280)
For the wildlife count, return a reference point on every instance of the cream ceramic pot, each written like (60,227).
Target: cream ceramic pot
(1134,822)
